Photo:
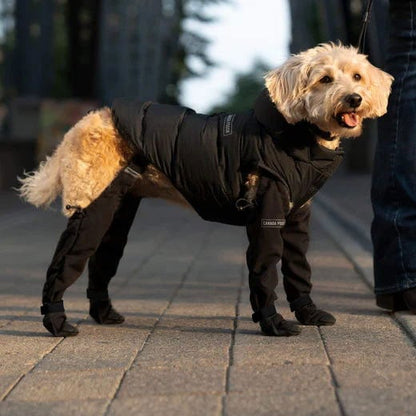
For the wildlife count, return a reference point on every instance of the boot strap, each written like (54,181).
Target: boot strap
(95,295)
(52,307)
(264,313)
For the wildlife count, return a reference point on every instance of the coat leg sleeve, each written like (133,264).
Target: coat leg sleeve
(265,249)
(103,264)
(82,237)
(295,266)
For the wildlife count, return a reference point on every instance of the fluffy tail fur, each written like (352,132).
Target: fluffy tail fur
(42,186)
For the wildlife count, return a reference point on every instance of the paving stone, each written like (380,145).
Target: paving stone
(386,375)
(96,347)
(280,379)
(144,380)
(204,342)
(172,405)
(378,401)
(75,407)
(292,403)
(367,340)
(8,380)
(23,344)
(408,320)
(215,309)
(49,386)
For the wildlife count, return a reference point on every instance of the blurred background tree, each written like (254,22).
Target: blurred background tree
(245,90)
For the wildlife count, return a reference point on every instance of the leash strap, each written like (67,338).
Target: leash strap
(363,33)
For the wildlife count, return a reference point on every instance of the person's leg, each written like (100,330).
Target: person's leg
(103,264)
(78,242)
(394,176)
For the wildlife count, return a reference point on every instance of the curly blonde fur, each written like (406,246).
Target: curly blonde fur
(299,93)
(89,157)
(92,152)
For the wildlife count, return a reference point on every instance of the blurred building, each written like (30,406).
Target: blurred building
(111,47)
(316,21)
(78,53)
(137,41)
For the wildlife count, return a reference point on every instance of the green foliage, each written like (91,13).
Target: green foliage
(194,44)
(191,46)
(247,87)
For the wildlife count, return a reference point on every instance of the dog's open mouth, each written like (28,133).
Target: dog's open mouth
(348,119)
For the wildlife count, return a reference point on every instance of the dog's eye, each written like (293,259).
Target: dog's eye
(357,77)
(325,80)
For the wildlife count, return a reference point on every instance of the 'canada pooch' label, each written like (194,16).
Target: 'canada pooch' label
(228,125)
(273,223)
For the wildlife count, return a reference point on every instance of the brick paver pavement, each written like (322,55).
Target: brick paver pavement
(188,346)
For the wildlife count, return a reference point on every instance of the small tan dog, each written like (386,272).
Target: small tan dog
(259,159)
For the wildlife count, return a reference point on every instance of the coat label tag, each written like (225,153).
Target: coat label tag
(273,222)
(227,129)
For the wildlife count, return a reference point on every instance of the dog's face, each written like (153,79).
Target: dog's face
(331,86)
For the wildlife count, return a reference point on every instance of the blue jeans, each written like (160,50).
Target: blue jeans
(394,178)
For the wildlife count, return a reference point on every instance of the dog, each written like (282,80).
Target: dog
(257,169)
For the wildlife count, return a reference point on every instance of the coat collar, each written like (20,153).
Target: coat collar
(301,142)
(269,116)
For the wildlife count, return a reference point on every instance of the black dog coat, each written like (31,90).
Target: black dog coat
(207,158)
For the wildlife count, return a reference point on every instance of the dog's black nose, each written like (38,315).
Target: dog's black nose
(354,100)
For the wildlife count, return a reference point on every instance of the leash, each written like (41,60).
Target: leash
(363,33)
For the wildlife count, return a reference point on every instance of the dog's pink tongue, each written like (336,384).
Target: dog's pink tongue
(350,119)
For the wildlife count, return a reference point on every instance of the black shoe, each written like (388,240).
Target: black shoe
(102,312)
(394,301)
(275,325)
(409,298)
(310,315)
(56,324)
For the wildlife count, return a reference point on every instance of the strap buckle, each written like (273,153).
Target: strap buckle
(130,171)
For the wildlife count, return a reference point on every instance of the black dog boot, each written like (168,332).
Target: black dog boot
(101,309)
(311,315)
(307,313)
(55,320)
(102,312)
(273,324)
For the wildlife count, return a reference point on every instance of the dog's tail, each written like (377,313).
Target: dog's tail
(41,187)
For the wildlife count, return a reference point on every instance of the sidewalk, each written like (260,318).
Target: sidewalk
(188,346)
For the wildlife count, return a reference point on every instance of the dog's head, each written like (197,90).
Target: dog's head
(331,86)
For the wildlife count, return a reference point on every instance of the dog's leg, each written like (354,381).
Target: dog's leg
(79,241)
(102,266)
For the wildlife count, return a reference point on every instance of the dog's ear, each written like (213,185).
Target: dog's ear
(287,85)
(379,90)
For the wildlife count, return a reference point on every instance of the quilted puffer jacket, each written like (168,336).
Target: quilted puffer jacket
(208,157)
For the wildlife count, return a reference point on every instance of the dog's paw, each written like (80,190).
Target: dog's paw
(275,325)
